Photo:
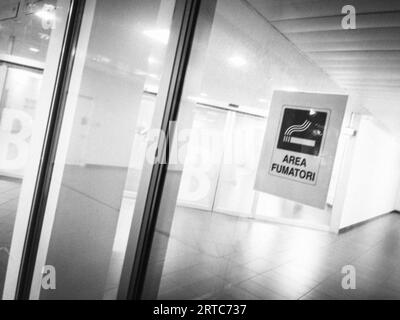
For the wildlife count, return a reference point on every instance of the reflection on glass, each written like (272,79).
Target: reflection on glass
(101,150)
(25,28)
(238,60)
(200,177)
(235,194)
(25,35)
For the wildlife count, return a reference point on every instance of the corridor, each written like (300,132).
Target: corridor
(212,256)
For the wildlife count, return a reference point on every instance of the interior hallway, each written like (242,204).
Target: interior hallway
(9,192)
(229,258)
(215,256)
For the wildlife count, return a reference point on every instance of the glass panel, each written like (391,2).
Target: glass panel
(21,92)
(201,175)
(25,28)
(30,44)
(101,151)
(239,59)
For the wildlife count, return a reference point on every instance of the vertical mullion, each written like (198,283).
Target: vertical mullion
(36,217)
(159,170)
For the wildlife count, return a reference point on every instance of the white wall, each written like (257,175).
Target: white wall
(374,176)
(398,201)
(106,113)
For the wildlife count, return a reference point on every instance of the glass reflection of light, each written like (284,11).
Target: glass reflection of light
(159,35)
(46,13)
(237,61)
(152,60)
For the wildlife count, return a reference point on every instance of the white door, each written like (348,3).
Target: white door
(235,191)
(203,159)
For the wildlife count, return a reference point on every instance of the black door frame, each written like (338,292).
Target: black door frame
(153,179)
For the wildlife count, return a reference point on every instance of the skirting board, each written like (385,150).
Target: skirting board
(293,223)
(358,224)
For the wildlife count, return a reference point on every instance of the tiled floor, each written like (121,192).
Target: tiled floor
(9,192)
(212,256)
(272,207)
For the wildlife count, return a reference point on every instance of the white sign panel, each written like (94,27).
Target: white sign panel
(300,145)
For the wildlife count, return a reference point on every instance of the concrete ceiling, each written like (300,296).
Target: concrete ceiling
(365,61)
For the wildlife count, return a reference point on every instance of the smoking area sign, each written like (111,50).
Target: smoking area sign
(302,130)
(299,143)
(300,146)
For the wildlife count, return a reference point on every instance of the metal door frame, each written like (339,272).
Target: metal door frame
(152,181)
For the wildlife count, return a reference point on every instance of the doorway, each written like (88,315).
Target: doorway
(221,174)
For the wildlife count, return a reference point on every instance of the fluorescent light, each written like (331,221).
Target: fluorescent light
(152,60)
(159,35)
(145,74)
(35,50)
(140,73)
(47,13)
(101,59)
(290,88)
(154,76)
(237,61)
(150,88)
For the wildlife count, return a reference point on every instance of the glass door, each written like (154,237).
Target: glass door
(111,113)
(219,166)
(238,60)
(20,92)
(31,37)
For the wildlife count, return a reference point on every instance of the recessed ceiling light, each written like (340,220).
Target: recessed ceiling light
(159,35)
(237,61)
